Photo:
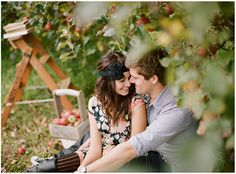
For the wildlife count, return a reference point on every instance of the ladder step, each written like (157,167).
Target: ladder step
(44,59)
(64,84)
(32,101)
(35,87)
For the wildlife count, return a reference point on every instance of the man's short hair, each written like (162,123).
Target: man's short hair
(150,65)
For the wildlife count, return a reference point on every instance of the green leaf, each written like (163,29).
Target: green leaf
(91,51)
(230,143)
(216,105)
(65,56)
(61,45)
(166,61)
(223,57)
(70,44)
(85,40)
(215,80)
(194,102)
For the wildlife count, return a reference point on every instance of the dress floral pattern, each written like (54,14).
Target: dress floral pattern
(112,135)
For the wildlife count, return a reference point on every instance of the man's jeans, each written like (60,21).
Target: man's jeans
(152,162)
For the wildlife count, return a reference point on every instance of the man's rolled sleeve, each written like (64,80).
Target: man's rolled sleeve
(136,144)
(160,131)
(143,142)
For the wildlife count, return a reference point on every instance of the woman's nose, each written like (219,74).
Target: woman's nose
(127,83)
(131,80)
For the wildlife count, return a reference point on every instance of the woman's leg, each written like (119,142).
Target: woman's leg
(67,163)
(59,161)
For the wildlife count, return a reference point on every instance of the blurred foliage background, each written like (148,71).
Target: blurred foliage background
(199,37)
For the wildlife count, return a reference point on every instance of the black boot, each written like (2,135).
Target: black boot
(67,163)
(44,166)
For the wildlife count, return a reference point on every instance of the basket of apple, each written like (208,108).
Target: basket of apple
(69,124)
(68,118)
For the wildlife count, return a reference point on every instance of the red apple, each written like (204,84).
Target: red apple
(56,121)
(169,9)
(202,52)
(71,119)
(142,21)
(63,121)
(68,19)
(47,26)
(213,49)
(78,29)
(66,114)
(76,113)
(79,120)
(21,150)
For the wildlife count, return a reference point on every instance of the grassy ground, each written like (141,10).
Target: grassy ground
(27,125)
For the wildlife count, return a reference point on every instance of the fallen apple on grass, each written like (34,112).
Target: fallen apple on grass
(21,150)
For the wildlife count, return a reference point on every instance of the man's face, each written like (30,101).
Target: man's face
(142,86)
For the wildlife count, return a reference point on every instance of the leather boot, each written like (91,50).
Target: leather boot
(44,166)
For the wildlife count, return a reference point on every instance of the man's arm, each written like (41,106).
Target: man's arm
(116,158)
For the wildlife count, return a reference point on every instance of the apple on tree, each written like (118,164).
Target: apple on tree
(169,9)
(142,21)
(48,26)
(201,51)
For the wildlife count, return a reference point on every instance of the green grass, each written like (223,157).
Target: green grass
(26,125)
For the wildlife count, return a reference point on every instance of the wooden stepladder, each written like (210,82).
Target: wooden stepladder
(34,57)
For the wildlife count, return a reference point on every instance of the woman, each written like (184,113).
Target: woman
(115,114)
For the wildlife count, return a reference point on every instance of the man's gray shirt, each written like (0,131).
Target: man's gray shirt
(168,130)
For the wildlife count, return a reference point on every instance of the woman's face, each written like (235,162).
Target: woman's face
(122,85)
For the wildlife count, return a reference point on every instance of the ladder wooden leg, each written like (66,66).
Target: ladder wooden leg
(5,113)
(46,77)
(9,106)
(56,69)
(15,85)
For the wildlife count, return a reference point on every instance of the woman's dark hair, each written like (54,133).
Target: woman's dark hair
(111,67)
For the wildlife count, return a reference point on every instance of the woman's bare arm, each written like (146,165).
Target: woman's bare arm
(95,149)
(138,118)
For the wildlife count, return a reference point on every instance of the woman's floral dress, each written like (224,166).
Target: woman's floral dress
(112,135)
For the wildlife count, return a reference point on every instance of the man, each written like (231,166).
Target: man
(168,131)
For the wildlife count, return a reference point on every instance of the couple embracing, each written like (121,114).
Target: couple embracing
(135,123)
